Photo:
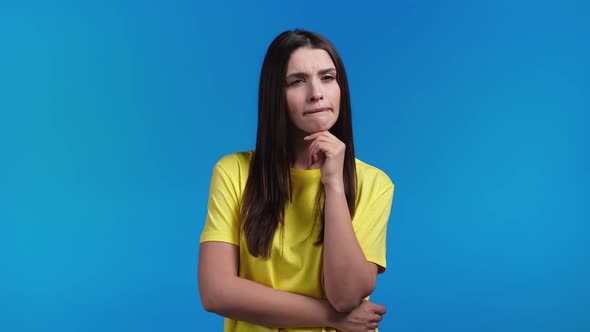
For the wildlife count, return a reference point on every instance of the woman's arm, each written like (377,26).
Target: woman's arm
(348,276)
(228,295)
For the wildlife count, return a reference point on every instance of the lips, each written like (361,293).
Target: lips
(317,110)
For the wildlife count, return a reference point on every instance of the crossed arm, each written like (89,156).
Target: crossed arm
(225,293)
(348,278)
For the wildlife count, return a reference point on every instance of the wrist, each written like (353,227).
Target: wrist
(333,185)
(335,318)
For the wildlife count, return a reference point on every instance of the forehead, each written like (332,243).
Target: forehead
(309,60)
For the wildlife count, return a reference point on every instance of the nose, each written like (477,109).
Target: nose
(315,91)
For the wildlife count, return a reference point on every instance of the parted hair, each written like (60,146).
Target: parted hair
(268,188)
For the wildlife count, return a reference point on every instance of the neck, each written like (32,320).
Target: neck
(300,158)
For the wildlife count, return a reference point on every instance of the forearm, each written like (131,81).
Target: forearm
(248,301)
(347,275)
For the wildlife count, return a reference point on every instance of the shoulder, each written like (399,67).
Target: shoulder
(238,161)
(232,171)
(369,176)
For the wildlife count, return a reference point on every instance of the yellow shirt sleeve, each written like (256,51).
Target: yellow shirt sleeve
(222,222)
(370,226)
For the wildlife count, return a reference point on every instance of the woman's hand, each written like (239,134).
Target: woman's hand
(328,151)
(365,317)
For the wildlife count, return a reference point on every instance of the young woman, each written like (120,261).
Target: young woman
(295,230)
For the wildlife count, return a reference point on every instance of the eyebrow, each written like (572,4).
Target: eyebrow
(321,72)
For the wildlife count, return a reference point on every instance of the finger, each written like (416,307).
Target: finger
(326,145)
(323,149)
(314,151)
(376,318)
(336,145)
(310,156)
(330,136)
(313,136)
(379,309)
(316,155)
(325,133)
(316,148)
(325,138)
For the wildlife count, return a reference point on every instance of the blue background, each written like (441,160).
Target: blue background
(114,113)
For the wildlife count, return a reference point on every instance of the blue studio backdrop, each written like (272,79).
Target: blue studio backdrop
(113,113)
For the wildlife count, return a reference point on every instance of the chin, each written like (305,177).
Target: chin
(317,127)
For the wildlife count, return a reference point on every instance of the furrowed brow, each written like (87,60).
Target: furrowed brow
(303,75)
(327,70)
(297,75)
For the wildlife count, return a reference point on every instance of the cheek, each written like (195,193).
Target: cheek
(334,90)
(293,103)
(336,97)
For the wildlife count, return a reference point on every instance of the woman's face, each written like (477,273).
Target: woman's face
(312,91)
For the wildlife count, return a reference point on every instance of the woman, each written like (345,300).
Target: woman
(295,230)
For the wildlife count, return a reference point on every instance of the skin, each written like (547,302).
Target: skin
(223,292)
(313,99)
(312,87)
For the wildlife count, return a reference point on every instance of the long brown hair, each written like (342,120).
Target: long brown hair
(268,187)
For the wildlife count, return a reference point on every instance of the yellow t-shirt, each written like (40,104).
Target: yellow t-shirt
(295,262)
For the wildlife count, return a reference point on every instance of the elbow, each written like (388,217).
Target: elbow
(209,306)
(344,302)
(348,301)
(213,294)
(209,302)
(344,305)
(212,298)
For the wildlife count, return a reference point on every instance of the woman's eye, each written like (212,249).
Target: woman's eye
(295,82)
(328,77)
